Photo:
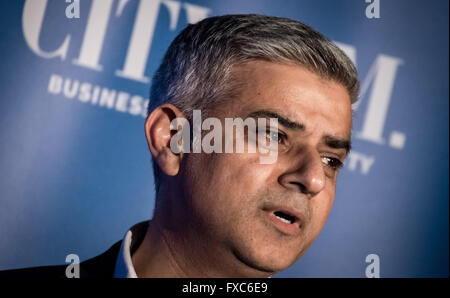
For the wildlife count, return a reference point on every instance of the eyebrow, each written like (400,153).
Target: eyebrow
(330,141)
(337,143)
(281,119)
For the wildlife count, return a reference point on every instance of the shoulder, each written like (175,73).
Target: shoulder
(101,266)
(36,272)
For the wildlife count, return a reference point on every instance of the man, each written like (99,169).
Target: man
(229,215)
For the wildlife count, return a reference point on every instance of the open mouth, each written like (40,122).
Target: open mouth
(284,217)
(285,220)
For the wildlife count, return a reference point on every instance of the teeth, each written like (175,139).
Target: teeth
(283,219)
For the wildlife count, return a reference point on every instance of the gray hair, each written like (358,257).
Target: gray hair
(196,72)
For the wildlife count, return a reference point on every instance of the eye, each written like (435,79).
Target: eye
(275,135)
(332,162)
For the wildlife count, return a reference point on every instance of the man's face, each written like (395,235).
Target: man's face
(267,215)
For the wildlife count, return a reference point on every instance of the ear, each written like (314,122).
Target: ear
(158,134)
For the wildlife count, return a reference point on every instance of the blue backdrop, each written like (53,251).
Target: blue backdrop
(75,171)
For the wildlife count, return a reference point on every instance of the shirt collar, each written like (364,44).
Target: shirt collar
(133,238)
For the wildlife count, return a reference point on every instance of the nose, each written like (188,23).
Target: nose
(305,174)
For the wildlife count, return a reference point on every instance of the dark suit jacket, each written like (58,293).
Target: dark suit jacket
(101,266)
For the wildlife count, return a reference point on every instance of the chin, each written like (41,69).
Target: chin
(270,260)
(273,266)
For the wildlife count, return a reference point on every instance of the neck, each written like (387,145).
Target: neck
(154,257)
(182,250)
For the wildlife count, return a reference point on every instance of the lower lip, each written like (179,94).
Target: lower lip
(286,228)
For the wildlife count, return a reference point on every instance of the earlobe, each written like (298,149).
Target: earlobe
(158,134)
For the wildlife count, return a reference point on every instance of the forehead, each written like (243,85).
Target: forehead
(295,92)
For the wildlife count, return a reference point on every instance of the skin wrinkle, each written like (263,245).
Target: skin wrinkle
(173,258)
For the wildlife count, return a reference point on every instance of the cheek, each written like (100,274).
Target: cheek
(321,206)
(226,183)
(236,174)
